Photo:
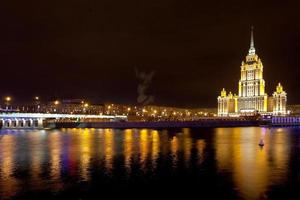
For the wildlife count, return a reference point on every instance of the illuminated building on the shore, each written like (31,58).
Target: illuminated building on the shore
(252,97)
(227,103)
(279,99)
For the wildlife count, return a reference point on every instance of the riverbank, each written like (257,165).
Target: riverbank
(159,124)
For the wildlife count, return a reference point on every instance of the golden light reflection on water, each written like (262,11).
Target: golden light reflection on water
(174,151)
(54,143)
(237,151)
(85,137)
(155,148)
(128,142)
(200,145)
(7,182)
(144,148)
(108,149)
(36,154)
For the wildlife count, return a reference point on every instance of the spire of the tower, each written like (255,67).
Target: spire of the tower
(252,38)
(252,49)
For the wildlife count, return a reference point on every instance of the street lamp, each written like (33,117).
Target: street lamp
(7,101)
(37,102)
(85,107)
(56,103)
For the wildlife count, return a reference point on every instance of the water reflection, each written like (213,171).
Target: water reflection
(8,184)
(174,151)
(187,145)
(54,146)
(85,139)
(144,143)
(155,148)
(128,143)
(51,160)
(36,156)
(108,144)
(254,169)
(200,145)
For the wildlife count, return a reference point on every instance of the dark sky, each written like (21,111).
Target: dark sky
(89,49)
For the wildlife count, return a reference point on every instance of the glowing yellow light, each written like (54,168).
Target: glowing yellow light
(155,147)
(108,148)
(279,88)
(56,102)
(223,93)
(36,98)
(128,147)
(86,105)
(129,109)
(7,98)
(144,147)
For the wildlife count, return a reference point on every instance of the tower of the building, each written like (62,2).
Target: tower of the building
(252,85)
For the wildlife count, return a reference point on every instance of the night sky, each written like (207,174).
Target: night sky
(90,49)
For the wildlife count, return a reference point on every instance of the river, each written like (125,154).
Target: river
(222,163)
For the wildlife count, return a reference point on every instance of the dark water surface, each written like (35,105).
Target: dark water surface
(223,163)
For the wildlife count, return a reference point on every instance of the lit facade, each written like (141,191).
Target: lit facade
(227,103)
(279,97)
(252,97)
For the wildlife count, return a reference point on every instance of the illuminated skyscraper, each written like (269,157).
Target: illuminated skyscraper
(251,91)
(252,96)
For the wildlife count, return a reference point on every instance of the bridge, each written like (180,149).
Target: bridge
(37,120)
